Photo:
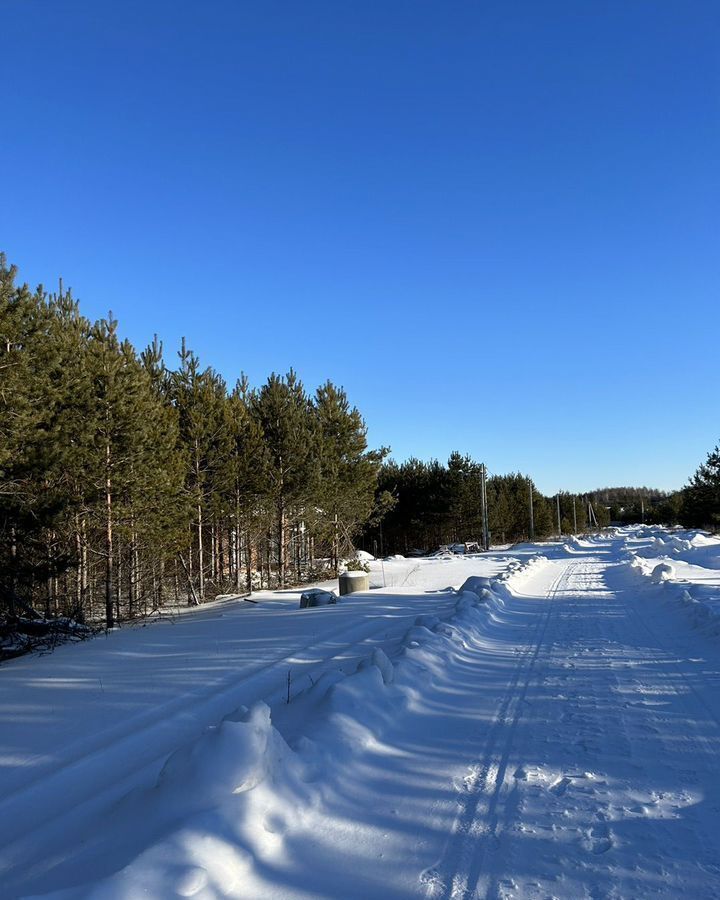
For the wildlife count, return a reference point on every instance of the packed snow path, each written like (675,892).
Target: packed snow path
(599,776)
(560,739)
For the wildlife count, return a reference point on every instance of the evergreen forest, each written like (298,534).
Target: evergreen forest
(128,483)
(429,504)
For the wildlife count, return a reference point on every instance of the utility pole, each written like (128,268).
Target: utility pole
(642,511)
(483,499)
(532,512)
(557,499)
(487,511)
(574,517)
(593,517)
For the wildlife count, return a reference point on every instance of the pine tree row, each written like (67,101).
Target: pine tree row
(125,484)
(428,504)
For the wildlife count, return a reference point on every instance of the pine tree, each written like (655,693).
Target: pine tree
(348,470)
(137,472)
(199,397)
(42,438)
(499,508)
(157,506)
(23,329)
(284,416)
(248,478)
(701,497)
(111,427)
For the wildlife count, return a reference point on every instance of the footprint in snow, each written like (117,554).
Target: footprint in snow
(191,881)
(274,824)
(560,786)
(433,882)
(601,845)
(600,839)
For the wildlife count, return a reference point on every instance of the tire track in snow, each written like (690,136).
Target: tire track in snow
(614,799)
(561,803)
(456,875)
(702,750)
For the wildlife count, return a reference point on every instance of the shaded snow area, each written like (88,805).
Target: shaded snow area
(538,722)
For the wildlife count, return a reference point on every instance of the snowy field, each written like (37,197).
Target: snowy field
(538,722)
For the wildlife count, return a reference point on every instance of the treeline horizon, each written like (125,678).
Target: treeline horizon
(126,484)
(695,505)
(436,504)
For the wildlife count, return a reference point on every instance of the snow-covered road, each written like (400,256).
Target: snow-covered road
(599,776)
(556,736)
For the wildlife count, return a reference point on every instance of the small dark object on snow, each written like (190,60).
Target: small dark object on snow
(317,597)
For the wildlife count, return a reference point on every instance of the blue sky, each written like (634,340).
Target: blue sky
(494,223)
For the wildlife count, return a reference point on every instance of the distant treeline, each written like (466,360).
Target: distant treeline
(435,504)
(429,504)
(629,505)
(125,483)
(697,505)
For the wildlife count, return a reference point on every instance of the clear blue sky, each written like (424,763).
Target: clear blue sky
(495,223)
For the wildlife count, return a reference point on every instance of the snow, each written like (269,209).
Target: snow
(662,572)
(538,722)
(688,564)
(364,556)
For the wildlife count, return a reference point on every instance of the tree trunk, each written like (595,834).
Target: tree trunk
(236,550)
(118,578)
(79,574)
(221,553)
(237,543)
(160,597)
(201,557)
(87,597)
(189,573)
(13,572)
(133,571)
(109,617)
(281,544)
(336,548)
(249,555)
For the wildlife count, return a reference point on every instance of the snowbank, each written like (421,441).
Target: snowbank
(689,586)
(691,546)
(364,556)
(224,807)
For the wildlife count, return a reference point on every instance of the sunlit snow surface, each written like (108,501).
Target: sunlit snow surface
(538,722)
